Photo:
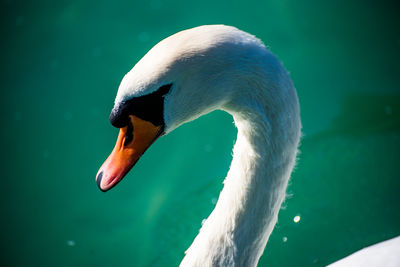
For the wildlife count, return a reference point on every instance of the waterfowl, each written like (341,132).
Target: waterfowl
(194,72)
(386,253)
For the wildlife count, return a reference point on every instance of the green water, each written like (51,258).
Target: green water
(61,64)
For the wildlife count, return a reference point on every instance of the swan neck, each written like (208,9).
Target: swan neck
(265,109)
(236,232)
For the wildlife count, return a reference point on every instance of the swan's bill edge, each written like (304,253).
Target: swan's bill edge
(133,140)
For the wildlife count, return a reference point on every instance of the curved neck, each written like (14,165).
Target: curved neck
(238,229)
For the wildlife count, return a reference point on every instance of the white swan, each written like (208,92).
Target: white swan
(383,254)
(190,74)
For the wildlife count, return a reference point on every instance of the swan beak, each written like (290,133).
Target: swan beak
(133,140)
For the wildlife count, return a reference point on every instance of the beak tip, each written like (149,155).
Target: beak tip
(98,181)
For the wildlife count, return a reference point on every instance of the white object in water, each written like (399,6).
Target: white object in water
(384,254)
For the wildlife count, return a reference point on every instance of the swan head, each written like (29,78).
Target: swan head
(181,78)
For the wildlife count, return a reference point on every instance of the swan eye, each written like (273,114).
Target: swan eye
(148,107)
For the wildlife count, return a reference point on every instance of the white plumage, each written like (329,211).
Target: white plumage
(384,254)
(221,67)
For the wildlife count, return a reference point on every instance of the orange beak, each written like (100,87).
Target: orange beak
(132,142)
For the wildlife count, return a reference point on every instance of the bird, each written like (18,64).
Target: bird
(194,72)
(386,253)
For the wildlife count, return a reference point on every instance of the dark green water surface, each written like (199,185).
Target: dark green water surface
(61,64)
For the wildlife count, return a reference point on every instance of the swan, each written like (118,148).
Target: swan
(194,72)
(386,253)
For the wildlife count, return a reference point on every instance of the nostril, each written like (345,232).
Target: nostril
(98,180)
(129,134)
